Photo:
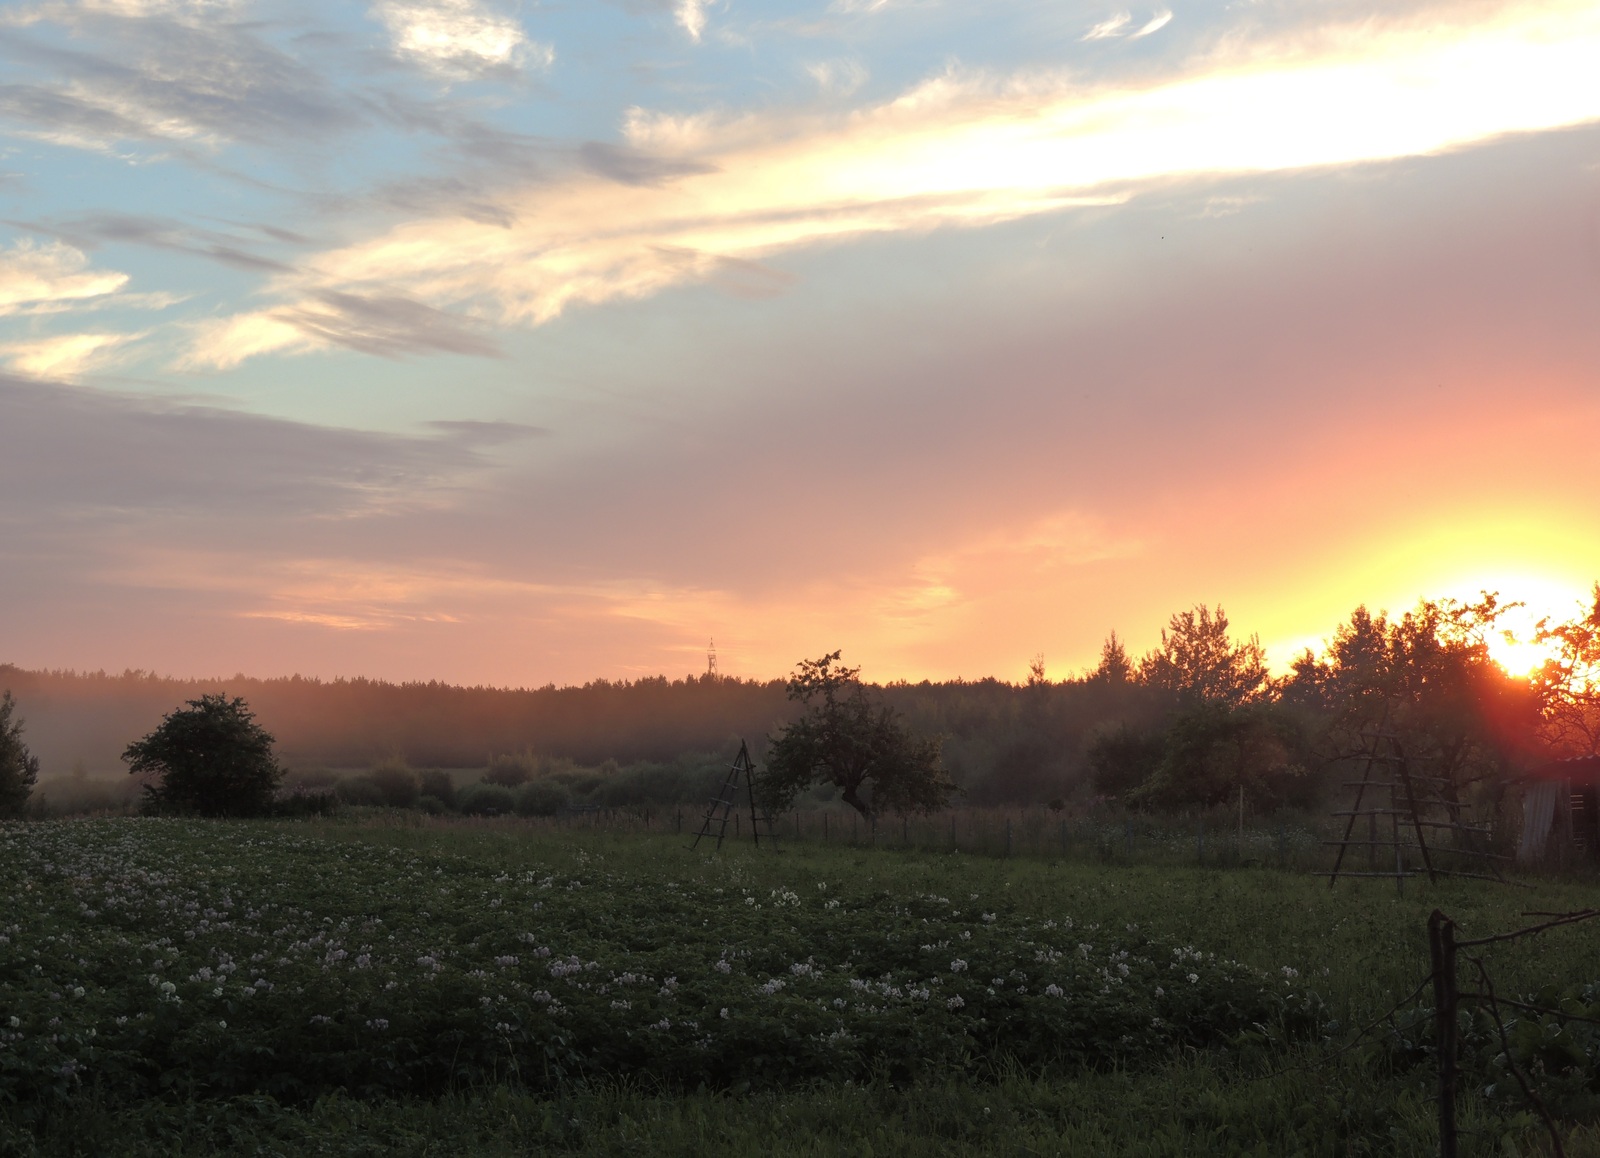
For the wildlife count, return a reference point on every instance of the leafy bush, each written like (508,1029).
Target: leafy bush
(359,790)
(511,769)
(579,781)
(209,759)
(19,768)
(1561,1055)
(1120,759)
(485,800)
(540,798)
(432,805)
(397,781)
(437,783)
(298,805)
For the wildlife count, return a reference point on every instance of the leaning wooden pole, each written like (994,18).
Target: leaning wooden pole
(1442,950)
(1370,750)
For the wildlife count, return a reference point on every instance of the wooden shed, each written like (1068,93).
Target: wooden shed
(1561,811)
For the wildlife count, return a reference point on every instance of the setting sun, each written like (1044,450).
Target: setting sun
(1514,645)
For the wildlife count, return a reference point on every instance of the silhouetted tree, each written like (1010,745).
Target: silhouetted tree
(1120,759)
(1198,661)
(208,759)
(846,740)
(1428,680)
(1214,754)
(1115,666)
(19,768)
(1568,684)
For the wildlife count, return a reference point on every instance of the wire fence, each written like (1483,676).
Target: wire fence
(1291,841)
(1520,1058)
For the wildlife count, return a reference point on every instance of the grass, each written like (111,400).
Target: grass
(1358,945)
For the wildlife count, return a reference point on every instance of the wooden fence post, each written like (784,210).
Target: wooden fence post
(1442,950)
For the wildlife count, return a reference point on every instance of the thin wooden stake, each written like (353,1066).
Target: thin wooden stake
(1442,951)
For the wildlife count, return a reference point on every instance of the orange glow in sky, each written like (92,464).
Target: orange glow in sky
(540,343)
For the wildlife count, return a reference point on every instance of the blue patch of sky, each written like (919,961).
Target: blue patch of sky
(392,129)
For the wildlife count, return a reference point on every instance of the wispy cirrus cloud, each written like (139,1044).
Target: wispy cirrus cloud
(64,357)
(841,77)
(44,278)
(1120,25)
(146,71)
(459,39)
(1111,26)
(1155,24)
(691,17)
(960,149)
(228,248)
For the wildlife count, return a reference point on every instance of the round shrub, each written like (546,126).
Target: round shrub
(432,805)
(437,783)
(485,800)
(540,798)
(359,790)
(398,782)
(510,770)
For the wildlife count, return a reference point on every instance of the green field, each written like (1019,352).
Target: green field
(434,987)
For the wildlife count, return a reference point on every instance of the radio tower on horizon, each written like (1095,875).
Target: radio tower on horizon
(711,660)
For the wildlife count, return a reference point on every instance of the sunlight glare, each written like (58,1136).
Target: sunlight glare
(1513,646)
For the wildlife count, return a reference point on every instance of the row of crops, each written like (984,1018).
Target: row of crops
(143,955)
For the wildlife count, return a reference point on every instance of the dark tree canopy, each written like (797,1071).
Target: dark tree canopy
(1198,661)
(19,768)
(208,759)
(1568,684)
(1115,667)
(846,740)
(1122,758)
(1213,754)
(1426,678)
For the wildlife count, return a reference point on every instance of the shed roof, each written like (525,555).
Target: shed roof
(1581,768)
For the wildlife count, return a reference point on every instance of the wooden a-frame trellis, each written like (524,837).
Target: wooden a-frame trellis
(741,778)
(1416,806)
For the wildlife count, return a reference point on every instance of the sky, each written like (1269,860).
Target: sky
(517,343)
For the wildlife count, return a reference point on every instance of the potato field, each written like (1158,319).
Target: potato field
(329,988)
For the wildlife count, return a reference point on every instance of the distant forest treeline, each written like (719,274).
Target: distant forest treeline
(1197,721)
(1004,741)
